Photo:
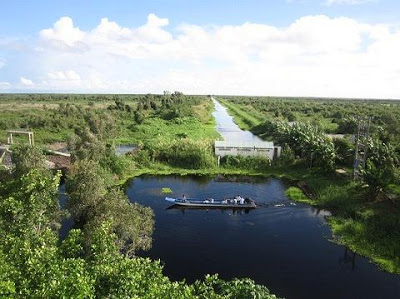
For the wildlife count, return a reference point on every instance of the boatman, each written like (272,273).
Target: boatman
(184,198)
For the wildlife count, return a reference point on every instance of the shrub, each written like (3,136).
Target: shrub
(256,163)
(186,153)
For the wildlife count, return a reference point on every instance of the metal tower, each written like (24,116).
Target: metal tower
(360,156)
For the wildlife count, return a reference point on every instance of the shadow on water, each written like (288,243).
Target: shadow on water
(237,210)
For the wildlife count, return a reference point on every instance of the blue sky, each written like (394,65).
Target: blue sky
(344,48)
(27,17)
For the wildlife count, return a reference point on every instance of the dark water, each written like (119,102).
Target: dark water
(67,224)
(282,245)
(227,128)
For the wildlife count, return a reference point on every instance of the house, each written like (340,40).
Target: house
(248,148)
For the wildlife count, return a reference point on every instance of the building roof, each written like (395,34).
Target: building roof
(244,144)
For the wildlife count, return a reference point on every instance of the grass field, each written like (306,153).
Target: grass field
(53,121)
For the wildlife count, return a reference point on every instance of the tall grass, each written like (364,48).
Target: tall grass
(185,153)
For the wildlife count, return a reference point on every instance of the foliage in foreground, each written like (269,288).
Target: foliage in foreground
(91,202)
(34,263)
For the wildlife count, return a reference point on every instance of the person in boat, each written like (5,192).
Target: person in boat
(184,198)
(241,200)
(248,200)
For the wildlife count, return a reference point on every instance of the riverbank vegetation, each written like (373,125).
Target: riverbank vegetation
(35,263)
(98,256)
(366,215)
(173,134)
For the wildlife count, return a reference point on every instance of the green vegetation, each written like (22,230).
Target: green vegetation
(34,263)
(185,153)
(166,190)
(174,135)
(246,120)
(296,194)
(363,219)
(97,259)
(331,115)
(136,118)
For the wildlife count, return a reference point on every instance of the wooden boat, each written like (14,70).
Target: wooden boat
(211,203)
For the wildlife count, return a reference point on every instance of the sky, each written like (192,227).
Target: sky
(318,48)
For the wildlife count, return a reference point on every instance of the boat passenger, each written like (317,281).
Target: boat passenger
(184,198)
(241,200)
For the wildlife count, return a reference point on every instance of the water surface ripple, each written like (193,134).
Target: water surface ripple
(282,245)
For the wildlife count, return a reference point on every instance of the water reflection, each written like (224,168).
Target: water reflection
(286,246)
(348,261)
(238,210)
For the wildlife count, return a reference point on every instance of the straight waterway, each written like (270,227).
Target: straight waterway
(283,245)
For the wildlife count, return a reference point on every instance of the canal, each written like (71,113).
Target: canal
(282,244)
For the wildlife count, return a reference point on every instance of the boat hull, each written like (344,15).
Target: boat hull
(212,205)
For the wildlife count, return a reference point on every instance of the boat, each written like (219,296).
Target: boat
(247,203)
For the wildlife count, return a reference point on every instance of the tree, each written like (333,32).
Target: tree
(35,264)
(86,187)
(103,126)
(344,151)
(26,158)
(306,141)
(29,218)
(139,117)
(92,201)
(85,145)
(132,223)
(380,168)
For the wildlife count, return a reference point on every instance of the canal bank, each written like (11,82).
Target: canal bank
(282,244)
(326,188)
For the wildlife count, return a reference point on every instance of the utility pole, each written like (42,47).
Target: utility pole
(360,155)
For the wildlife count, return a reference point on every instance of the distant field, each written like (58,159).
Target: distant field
(138,118)
(336,116)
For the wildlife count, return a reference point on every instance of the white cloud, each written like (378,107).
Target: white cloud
(313,56)
(63,33)
(26,82)
(68,75)
(4,85)
(347,2)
